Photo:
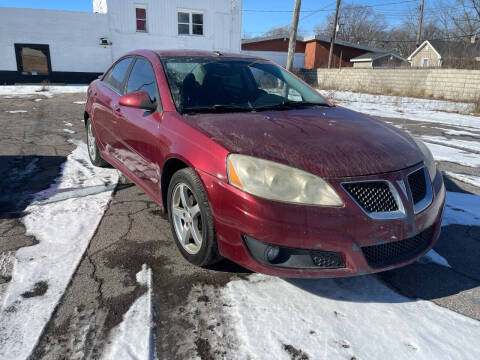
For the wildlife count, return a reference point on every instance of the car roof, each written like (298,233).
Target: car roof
(192,53)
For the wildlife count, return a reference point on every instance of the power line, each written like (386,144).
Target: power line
(323,9)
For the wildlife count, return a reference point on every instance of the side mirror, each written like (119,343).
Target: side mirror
(138,99)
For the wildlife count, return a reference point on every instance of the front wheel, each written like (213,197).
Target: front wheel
(191,219)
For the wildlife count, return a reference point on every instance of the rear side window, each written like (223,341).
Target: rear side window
(116,75)
(142,77)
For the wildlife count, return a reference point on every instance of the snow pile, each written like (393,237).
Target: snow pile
(42,272)
(47,91)
(406,108)
(133,338)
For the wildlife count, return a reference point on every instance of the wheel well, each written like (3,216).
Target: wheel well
(171,167)
(86,116)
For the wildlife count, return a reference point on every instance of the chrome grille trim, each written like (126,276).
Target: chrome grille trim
(397,214)
(427,200)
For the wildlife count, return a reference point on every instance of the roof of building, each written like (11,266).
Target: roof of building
(446,49)
(311,38)
(372,56)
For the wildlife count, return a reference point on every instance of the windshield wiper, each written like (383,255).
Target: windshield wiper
(287,105)
(217,108)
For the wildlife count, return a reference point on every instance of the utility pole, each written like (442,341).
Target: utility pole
(334,35)
(293,35)
(420,20)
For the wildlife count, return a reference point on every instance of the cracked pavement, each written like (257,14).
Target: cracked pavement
(133,232)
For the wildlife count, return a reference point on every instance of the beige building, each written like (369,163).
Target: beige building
(439,53)
(378,60)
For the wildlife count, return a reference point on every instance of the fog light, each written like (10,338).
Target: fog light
(271,252)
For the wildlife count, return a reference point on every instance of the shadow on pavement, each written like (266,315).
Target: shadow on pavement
(22,177)
(451,186)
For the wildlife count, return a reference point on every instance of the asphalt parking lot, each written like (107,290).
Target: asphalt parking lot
(134,232)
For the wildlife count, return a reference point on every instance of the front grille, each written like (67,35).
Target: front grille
(418,185)
(396,252)
(373,196)
(327,259)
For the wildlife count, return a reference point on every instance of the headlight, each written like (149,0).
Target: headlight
(279,182)
(428,158)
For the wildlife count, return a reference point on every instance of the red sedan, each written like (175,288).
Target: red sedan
(252,164)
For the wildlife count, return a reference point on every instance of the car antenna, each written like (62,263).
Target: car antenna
(218,53)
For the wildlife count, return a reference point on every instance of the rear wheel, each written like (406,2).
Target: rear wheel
(93,151)
(191,219)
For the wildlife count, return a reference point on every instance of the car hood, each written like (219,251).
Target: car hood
(329,142)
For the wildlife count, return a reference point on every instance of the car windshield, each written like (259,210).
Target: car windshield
(218,84)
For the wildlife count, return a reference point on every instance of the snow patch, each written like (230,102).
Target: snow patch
(356,317)
(424,110)
(69,131)
(461,144)
(47,91)
(457,132)
(467,179)
(450,154)
(16,111)
(433,257)
(42,272)
(462,209)
(133,338)
(80,102)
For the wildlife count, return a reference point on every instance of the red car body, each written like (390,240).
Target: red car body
(335,143)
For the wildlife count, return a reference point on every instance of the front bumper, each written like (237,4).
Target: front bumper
(344,230)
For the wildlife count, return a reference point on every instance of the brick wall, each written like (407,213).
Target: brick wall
(449,84)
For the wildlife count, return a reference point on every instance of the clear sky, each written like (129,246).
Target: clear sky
(278,12)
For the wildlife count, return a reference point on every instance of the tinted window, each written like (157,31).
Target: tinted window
(116,75)
(142,77)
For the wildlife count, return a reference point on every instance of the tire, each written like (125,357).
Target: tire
(192,222)
(92,147)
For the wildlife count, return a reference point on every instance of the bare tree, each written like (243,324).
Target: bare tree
(278,30)
(357,24)
(462,19)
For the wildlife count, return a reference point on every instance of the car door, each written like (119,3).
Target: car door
(106,106)
(140,128)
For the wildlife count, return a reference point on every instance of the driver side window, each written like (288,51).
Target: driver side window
(142,77)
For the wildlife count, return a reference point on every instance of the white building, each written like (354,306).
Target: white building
(74,47)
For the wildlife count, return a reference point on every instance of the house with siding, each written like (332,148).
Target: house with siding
(440,53)
(75,47)
(379,60)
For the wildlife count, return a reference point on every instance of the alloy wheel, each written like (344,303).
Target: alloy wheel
(187,218)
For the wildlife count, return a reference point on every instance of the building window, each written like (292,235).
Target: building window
(141,15)
(190,23)
(425,62)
